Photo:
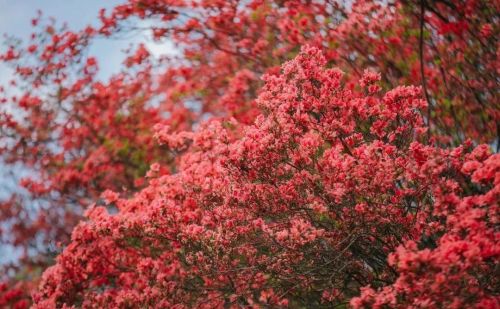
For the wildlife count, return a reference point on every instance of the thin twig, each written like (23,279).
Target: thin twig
(422,71)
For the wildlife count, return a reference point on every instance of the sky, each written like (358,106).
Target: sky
(15,19)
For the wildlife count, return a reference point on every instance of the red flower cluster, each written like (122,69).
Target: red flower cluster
(301,209)
(458,269)
(14,297)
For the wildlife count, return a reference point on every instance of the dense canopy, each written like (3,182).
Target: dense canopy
(300,154)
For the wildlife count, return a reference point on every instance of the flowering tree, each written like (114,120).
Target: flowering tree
(313,179)
(300,209)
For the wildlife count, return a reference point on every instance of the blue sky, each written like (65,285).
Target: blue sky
(15,19)
(15,16)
